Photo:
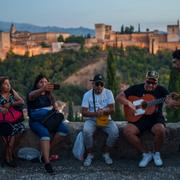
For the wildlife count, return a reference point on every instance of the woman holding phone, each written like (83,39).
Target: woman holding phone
(40,101)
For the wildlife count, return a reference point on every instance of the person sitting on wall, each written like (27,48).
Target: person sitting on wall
(11,118)
(143,110)
(97,106)
(40,102)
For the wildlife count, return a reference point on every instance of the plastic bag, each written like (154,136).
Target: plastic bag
(28,153)
(78,148)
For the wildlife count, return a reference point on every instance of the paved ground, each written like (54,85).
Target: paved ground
(69,168)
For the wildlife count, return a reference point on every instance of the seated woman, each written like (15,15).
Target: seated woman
(40,101)
(10,117)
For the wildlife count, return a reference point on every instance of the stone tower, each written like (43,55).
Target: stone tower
(102,31)
(4,40)
(173,33)
(12,29)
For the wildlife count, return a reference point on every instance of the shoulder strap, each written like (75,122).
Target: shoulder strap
(94,100)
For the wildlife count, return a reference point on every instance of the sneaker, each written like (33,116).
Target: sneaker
(88,160)
(107,158)
(157,159)
(147,157)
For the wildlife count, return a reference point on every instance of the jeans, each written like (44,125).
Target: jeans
(43,132)
(89,128)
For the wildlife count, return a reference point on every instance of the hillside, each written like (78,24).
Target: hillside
(82,76)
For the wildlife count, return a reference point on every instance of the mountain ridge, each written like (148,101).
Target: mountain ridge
(5,26)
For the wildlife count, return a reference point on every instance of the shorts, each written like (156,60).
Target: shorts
(147,122)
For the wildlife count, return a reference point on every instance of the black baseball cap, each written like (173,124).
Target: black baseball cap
(98,78)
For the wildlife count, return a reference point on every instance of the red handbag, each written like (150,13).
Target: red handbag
(11,116)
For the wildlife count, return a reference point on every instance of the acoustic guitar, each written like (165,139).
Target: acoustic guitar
(145,105)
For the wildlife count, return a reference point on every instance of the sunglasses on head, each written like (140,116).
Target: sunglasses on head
(99,84)
(151,82)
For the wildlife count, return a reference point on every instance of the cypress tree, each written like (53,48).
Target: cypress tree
(112,83)
(70,111)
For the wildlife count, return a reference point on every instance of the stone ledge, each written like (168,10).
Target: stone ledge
(121,149)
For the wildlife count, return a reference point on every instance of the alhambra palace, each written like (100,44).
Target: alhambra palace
(22,42)
(154,41)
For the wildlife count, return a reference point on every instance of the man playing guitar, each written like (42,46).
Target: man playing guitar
(153,121)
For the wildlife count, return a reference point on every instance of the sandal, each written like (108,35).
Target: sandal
(54,157)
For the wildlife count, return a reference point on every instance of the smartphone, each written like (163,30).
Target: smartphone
(56,86)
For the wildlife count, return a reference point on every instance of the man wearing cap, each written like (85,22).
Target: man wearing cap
(97,106)
(153,122)
(172,102)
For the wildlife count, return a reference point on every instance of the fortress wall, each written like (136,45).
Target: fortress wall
(169,45)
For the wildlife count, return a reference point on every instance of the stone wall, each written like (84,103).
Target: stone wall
(121,149)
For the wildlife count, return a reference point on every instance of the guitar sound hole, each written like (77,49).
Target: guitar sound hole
(144,105)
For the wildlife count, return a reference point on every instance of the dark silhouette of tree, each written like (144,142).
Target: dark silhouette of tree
(60,38)
(112,82)
(122,29)
(70,111)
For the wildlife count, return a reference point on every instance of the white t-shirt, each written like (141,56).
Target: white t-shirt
(101,100)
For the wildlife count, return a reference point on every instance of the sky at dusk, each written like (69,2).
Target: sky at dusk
(153,14)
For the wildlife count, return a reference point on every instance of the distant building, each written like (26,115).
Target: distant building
(154,41)
(23,42)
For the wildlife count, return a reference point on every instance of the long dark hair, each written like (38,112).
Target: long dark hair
(2,79)
(38,78)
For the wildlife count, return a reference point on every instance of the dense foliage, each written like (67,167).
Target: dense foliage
(133,63)
(57,67)
(130,66)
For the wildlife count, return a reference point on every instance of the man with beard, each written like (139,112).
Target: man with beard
(142,116)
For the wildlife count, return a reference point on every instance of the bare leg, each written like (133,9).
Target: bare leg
(131,132)
(45,148)
(159,132)
(56,140)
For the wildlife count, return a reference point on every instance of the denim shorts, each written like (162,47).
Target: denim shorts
(43,133)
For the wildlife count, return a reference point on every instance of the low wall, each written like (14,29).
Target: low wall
(121,149)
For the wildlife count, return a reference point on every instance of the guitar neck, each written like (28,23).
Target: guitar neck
(155,102)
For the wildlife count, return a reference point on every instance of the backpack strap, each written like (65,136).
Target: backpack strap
(94,100)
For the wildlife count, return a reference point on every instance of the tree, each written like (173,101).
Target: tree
(70,111)
(122,29)
(129,29)
(60,38)
(173,115)
(88,36)
(75,39)
(139,28)
(112,82)
(44,45)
